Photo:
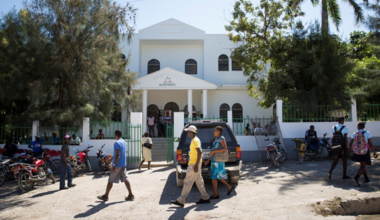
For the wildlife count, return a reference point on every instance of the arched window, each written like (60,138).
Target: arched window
(185,109)
(235,66)
(123,57)
(191,66)
(153,109)
(223,63)
(116,114)
(153,66)
(237,112)
(223,109)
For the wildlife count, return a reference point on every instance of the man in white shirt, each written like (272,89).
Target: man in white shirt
(75,140)
(151,125)
(258,130)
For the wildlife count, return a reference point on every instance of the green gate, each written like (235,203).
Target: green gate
(169,142)
(133,139)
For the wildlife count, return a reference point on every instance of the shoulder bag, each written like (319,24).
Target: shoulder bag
(147,145)
(221,157)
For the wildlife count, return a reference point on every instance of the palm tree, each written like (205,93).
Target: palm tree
(330,8)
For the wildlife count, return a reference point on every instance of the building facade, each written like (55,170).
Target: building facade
(182,66)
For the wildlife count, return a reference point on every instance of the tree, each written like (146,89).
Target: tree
(330,8)
(253,29)
(82,73)
(304,72)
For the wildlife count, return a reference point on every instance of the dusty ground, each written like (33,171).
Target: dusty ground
(262,193)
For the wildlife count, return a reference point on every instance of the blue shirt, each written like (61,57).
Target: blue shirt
(55,140)
(36,146)
(367,135)
(122,146)
(338,127)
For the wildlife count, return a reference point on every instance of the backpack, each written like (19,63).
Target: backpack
(360,146)
(337,141)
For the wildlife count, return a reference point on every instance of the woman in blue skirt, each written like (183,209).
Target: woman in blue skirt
(218,171)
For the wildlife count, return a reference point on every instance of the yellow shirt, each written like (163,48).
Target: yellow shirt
(195,143)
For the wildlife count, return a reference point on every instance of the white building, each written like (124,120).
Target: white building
(182,66)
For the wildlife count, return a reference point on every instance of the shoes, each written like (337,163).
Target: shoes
(345,177)
(175,202)
(366,180)
(230,191)
(130,198)
(329,176)
(356,182)
(201,201)
(216,197)
(65,187)
(72,185)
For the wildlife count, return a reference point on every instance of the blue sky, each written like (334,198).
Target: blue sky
(210,15)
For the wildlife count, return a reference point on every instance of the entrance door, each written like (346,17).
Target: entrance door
(171,107)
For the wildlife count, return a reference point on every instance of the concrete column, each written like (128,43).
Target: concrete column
(35,129)
(179,120)
(229,118)
(86,131)
(144,110)
(204,103)
(279,110)
(190,102)
(354,114)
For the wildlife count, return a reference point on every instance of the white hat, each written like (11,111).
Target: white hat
(192,128)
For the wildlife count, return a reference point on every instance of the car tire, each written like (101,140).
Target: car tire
(179,181)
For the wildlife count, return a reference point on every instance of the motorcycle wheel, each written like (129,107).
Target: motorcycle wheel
(276,164)
(55,166)
(2,178)
(10,175)
(283,156)
(88,164)
(103,165)
(24,183)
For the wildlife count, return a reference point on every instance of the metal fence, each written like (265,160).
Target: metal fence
(250,126)
(18,135)
(133,139)
(322,113)
(55,135)
(369,112)
(201,120)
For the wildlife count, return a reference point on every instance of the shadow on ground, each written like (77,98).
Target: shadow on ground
(95,208)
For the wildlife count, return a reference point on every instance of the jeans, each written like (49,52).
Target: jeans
(166,126)
(62,175)
(159,130)
(151,130)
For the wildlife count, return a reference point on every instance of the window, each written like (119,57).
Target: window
(123,57)
(185,109)
(153,66)
(223,63)
(191,66)
(235,66)
(116,114)
(224,108)
(152,109)
(237,112)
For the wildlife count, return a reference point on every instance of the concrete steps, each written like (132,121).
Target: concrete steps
(159,153)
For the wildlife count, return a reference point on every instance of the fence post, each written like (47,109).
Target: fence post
(35,126)
(134,143)
(354,114)
(279,110)
(229,119)
(85,131)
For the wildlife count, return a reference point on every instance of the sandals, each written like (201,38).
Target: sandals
(215,197)
(103,197)
(230,191)
(130,198)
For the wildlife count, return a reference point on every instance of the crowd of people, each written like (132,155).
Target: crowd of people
(257,129)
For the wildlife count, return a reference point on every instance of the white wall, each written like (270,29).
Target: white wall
(162,97)
(172,55)
(247,143)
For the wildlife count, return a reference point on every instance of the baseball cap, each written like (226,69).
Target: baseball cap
(191,128)
(67,136)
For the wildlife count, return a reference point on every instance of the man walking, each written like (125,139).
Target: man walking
(119,168)
(340,136)
(193,173)
(65,165)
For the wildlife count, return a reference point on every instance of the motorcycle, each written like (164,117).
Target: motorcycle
(276,152)
(81,160)
(54,164)
(105,160)
(5,170)
(31,170)
(309,151)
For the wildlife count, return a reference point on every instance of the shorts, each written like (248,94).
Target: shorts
(119,175)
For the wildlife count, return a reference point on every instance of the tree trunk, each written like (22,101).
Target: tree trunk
(325,20)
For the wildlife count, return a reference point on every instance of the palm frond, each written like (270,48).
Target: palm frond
(295,3)
(358,11)
(334,12)
(314,2)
